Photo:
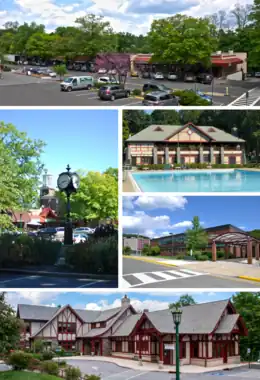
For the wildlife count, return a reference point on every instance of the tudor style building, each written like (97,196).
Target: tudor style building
(209,332)
(186,144)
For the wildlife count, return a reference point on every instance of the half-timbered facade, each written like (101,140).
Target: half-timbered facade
(209,333)
(187,144)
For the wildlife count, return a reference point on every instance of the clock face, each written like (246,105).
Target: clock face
(75,180)
(63,181)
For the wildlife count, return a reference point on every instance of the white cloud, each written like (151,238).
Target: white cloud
(31,297)
(170,202)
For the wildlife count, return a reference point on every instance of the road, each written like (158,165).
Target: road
(113,372)
(20,90)
(141,274)
(36,281)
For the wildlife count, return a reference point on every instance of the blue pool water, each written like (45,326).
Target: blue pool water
(199,181)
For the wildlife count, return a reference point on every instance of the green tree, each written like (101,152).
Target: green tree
(126,132)
(184,300)
(113,172)
(196,238)
(146,250)
(165,117)
(22,35)
(61,70)
(9,327)
(136,120)
(20,168)
(127,250)
(183,40)
(96,198)
(254,17)
(256,135)
(40,45)
(247,304)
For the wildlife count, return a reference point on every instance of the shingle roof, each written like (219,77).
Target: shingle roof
(36,312)
(127,327)
(157,133)
(95,332)
(88,316)
(227,324)
(107,314)
(199,318)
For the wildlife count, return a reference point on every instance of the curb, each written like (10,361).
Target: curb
(150,261)
(256,279)
(60,274)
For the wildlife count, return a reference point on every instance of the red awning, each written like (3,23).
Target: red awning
(226,61)
(142,59)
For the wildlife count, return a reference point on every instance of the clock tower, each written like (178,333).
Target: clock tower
(47,192)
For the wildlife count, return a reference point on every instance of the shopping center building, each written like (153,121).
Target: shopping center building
(209,332)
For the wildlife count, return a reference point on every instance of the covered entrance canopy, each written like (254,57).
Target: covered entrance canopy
(237,240)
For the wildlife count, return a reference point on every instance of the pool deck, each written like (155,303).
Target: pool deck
(128,186)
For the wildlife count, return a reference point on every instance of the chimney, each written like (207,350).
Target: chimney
(125,302)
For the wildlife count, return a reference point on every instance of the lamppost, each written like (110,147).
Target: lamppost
(69,183)
(176,315)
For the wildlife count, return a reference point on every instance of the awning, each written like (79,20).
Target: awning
(225,62)
(142,59)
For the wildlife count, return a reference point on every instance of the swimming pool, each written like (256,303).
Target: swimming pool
(218,180)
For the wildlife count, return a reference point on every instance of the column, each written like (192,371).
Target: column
(201,160)
(249,251)
(128,155)
(226,251)
(101,346)
(178,154)
(212,155)
(167,155)
(92,347)
(222,159)
(257,251)
(214,251)
(161,353)
(155,158)
(140,350)
(238,251)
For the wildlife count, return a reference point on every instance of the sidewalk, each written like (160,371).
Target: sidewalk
(153,367)
(222,268)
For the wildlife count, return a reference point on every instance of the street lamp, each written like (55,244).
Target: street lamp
(176,315)
(69,183)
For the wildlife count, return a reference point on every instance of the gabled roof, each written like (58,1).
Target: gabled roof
(152,134)
(107,314)
(127,327)
(227,324)
(36,312)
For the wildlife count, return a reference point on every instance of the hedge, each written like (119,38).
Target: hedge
(188,166)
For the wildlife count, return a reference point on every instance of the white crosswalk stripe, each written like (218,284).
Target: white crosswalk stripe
(129,280)
(249,98)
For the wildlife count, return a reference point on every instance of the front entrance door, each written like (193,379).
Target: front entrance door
(224,353)
(167,357)
(97,349)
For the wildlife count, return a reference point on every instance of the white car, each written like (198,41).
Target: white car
(51,73)
(78,238)
(85,230)
(158,76)
(112,72)
(106,80)
(172,76)
(102,71)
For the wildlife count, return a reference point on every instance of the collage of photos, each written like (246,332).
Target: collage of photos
(129,190)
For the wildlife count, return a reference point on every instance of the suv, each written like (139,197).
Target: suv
(156,87)
(189,77)
(205,78)
(112,92)
(160,98)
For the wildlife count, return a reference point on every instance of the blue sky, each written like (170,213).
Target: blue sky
(133,16)
(85,139)
(162,215)
(101,301)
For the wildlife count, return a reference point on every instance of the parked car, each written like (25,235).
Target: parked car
(172,76)
(48,72)
(189,77)
(47,231)
(87,230)
(102,71)
(112,92)
(257,74)
(158,76)
(205,78)
(107,80)
(77,83)
(160,98)
(156,87)
(146,75)
(112,72)
(78,238)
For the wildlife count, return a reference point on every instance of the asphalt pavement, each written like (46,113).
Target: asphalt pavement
(141,274)
(113,372)
(22,90)
(36,281)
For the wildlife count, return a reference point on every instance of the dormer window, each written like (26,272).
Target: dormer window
(158,129)
(211,130)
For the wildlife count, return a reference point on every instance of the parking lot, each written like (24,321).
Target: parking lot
(22,90)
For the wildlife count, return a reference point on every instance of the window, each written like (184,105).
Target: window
(74,82)
(151,98)
(144,346)
(66,328)
(206,158)
(118,346)
(232,160)
(102,324)
(146,160)
(68,346)
(163,97)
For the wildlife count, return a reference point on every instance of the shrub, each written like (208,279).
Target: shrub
(202,257)
(62,363)
(190,98)
(72,373)
(34,364)
(19,360)
(137,92)
(52,368)
(92,377)
(47,355)
(95,256)
(179,257)
(220,255)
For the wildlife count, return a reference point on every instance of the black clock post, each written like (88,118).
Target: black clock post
(68,183)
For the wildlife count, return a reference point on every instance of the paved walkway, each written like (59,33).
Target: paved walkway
(218,268)
(152,366)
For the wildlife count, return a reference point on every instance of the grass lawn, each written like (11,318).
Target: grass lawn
(19,375)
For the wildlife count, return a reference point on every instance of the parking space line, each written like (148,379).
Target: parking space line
(139,374)
(116,374)
(91,283)
(17,279)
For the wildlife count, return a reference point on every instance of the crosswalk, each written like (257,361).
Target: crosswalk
(249,98)
(133,280)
